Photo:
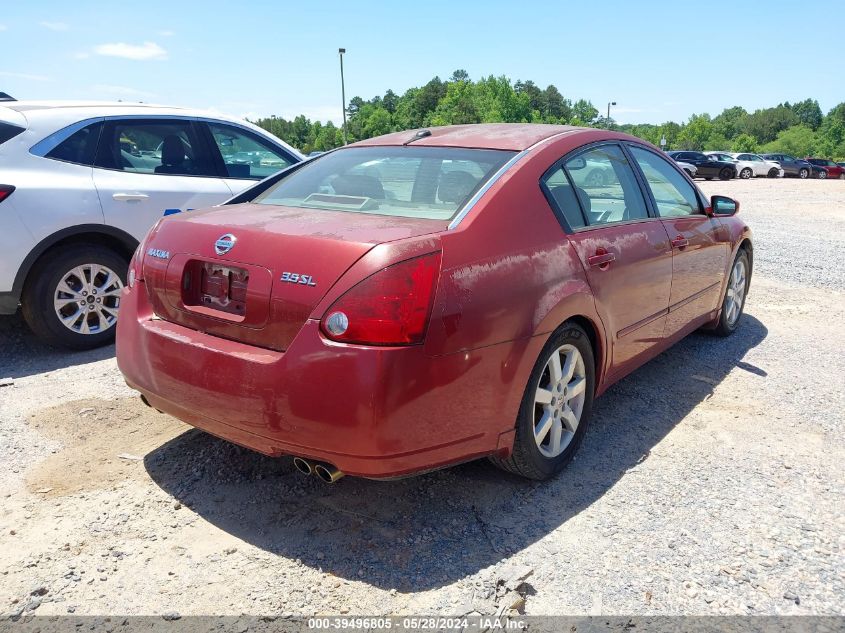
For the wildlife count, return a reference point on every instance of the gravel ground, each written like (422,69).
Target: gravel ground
(711,482)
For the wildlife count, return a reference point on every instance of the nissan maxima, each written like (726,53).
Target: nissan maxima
(430,297)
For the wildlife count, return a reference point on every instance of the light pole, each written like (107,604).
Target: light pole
(340,52)
(609,103)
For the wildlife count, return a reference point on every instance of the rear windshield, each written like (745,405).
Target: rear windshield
(413,182)
(7,131)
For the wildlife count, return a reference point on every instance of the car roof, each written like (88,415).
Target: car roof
(504,136)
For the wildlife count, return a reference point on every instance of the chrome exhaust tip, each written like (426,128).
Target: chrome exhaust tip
(328,473)
(303,466)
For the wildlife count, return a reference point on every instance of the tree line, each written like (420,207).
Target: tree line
(801,128)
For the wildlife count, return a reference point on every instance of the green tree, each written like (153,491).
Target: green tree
(764,125)
(730,122)
(583,112)
(745,143)
(695,134)
(798,140)
(809,113)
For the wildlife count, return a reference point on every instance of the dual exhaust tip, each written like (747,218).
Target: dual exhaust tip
(326,472)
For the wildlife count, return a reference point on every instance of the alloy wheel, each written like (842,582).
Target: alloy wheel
(735,293)
(559,401)
(803,173)
(745,173)
(87,299)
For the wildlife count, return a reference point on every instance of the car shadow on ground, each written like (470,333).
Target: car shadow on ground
(23,354)
(427,531)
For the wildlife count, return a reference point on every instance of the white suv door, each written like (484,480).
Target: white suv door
(149,167)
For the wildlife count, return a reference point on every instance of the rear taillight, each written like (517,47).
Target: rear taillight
(390,307)
(5,191)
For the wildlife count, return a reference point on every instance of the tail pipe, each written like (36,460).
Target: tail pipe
(326,472)
(304,466)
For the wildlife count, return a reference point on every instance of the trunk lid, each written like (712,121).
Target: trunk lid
(253,272)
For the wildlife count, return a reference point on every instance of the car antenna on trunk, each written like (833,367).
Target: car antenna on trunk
(420,134)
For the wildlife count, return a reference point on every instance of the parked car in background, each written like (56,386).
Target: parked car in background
(708,168)
(749,165)
(791,166)
(832,169)
(82,183)
(841,164)
(744,168)
(347,310)
(691,169)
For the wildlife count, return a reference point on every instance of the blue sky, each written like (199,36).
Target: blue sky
(658,60)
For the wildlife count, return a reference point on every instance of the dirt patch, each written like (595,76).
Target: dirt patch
(103,443)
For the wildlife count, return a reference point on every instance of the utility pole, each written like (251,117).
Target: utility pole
(340,52)
(607,121)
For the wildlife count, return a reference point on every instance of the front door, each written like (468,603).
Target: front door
(700,244)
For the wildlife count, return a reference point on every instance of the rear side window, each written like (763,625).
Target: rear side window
(602,181)
(415,182)
(8,131)
(163,147)
(80,147)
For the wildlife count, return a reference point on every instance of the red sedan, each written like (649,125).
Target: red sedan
(426,298)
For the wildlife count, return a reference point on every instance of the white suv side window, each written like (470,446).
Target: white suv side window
(246,155)
(154,146)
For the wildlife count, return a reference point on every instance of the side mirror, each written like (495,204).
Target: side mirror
(722,205)
(576,163)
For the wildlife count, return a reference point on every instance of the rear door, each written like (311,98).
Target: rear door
(700,244)
(625,252)
(149,167)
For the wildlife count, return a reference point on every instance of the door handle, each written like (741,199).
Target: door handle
(129,197)
(601,259)
(680,242)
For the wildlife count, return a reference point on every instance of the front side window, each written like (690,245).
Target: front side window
(604,184)
(673,194)
(80,147)
(246,155)
(415,182)
(164,147)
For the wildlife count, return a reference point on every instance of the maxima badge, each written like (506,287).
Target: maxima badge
(224,244)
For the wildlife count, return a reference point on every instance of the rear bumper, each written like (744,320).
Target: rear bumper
(372,412)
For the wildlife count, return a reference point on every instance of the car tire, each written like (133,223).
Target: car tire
(554,414)
(736,291)
(726,174)
(822,175)
(73,295)
(596,178)
(803,173)
(842,176)
(773,173)
(746,173)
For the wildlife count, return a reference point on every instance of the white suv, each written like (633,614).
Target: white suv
(80,185)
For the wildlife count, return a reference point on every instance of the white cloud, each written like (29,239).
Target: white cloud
(146,51)
(25,76)
(122,91)
(55,26)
